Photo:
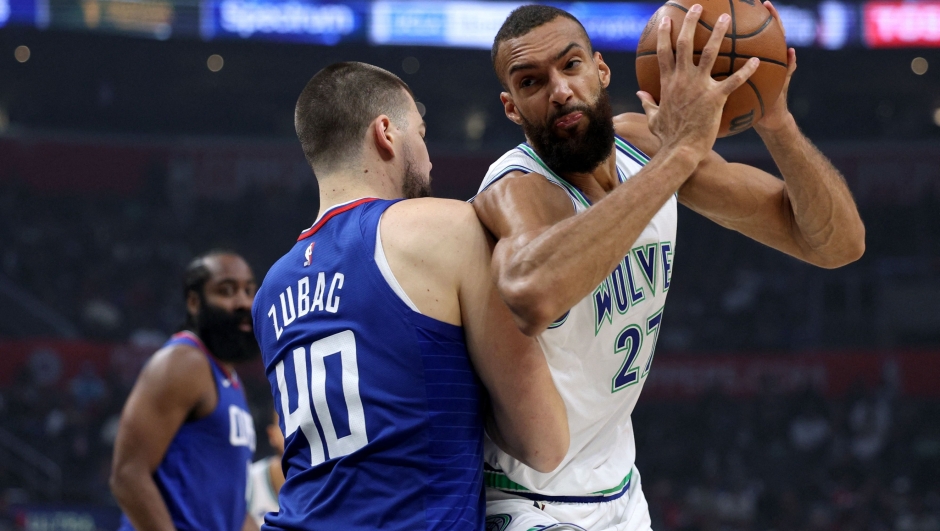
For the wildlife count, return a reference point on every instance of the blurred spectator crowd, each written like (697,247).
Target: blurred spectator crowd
(792,461)
(106,267)
(781,460)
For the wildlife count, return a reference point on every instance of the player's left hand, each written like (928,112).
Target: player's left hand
(778,115)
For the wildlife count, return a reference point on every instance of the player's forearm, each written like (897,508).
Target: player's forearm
(825,217)
(544,277)
(140,499)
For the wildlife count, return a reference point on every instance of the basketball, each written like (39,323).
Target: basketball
(753,33)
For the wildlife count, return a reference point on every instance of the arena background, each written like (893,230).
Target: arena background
(136,133)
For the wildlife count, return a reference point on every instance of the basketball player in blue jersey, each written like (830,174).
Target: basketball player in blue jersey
(585,217)
(377,326)
(186,437)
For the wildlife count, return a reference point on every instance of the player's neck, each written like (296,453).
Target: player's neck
(337,189)
(599,182)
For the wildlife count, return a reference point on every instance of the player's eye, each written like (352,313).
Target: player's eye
(573,63)
(526,82)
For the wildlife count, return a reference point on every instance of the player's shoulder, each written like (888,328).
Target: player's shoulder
(179,369)
(437,230)
(521,201)
(634,128)
(429,216)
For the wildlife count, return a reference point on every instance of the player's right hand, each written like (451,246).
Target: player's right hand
(691,101)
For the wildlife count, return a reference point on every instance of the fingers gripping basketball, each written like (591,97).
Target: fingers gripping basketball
(753,33)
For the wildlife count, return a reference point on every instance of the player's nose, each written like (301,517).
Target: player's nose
(560,90)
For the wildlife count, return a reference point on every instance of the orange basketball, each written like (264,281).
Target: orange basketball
(753,33)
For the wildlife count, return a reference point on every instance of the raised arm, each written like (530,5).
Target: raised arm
(171,387)
(440,254)
(546,259)
(810,214)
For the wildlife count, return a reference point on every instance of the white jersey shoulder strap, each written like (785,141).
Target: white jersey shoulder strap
(524,159)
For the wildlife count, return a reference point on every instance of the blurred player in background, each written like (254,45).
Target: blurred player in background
(586,223)
(186,437)
(266,476)
(372,325)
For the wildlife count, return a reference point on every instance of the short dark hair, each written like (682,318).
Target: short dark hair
(337,106)
(195,277)
(524,19)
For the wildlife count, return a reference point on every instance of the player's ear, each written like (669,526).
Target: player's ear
(193,303)
(509,107)
(603,71)
(383,137)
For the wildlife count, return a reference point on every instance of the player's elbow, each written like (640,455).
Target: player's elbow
(548,454)
(851,250)
(531,305)
(122,480)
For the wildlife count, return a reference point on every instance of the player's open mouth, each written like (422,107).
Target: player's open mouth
(569,120)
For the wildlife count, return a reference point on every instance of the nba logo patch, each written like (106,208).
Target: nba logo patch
(308,254)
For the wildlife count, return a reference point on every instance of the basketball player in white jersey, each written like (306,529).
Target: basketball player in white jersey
(266,476)
(585,215)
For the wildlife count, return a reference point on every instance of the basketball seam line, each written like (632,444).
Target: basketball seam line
(759,98)
(734,40)
(762,27)
(724,54)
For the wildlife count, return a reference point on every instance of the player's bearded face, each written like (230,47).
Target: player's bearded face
(219,330)
(414,184)
(578,151)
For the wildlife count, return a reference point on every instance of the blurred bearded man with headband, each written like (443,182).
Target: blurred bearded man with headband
(186,436)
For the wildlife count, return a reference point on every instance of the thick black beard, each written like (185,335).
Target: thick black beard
(579,153)
(219,330)
(413,185)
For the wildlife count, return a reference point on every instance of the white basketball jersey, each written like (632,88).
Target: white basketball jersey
(600,352)
(261,497)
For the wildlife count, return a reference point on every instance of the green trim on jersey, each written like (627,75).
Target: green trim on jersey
(618,488)
(497,480)
(630,149)
(573,190)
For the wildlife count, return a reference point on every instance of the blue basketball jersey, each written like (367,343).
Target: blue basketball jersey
(378,403)
(204,475)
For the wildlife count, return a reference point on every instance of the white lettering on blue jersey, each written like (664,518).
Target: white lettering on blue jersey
(290,312)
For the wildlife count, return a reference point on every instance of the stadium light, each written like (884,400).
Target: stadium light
(215,62)
(22,53)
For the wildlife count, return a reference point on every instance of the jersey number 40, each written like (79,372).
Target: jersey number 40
(333,371)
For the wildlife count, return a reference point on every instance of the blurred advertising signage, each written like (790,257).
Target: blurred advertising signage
(313,22)
(902,24)
(831,24)
(452,24)
(611,26)
(145,18)
(616,26)
(21,12)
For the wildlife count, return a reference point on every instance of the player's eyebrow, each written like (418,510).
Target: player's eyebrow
(568,49)
(527,66)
